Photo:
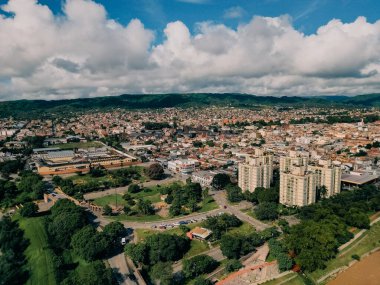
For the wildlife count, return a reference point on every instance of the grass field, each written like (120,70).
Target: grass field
(244,229)
(208,204)
(110,200)
(39,257)
(78,145)
(368,241)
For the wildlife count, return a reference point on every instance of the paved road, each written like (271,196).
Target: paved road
(215,253)
(121,270)
(221,199)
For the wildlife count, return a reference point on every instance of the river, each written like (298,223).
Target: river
(365,272)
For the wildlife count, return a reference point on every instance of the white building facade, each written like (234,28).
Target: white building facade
(256,172)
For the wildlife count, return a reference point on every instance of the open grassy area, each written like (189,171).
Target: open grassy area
(86,178)
(110,200)
(196,247)
(38,254)
(368,241)
(244,229)
(208,204)
(78,145)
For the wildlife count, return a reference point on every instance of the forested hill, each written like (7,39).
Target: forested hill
(31,108)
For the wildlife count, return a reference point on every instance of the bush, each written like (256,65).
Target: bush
(356,257)
(107,210)
(134,188)
(233,265)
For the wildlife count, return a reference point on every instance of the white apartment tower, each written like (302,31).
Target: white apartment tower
(327,175)
(297,187)
(294,158)
(297,183)
(257,171)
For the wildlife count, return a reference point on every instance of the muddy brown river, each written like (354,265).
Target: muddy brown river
(365,272)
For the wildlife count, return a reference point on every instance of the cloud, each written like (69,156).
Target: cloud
(83,53)
(234,13)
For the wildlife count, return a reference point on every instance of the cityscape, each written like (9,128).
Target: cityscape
(189,142)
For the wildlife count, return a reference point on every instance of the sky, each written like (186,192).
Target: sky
(53,49)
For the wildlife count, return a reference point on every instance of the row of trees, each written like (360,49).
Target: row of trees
(69,230)
(29,187)
(234,245)
(12,258)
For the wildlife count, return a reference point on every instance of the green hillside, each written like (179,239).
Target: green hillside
(41,108)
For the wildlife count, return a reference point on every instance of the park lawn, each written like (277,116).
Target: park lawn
(153,194)
(368,241)
(110,200)
(78,145)
(244,229)
(86,178)
(208,204)
(39,256)
(196,247)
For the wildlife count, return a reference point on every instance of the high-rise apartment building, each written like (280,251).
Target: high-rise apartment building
(294,158)
(297,186)
(257,171)
(327,175)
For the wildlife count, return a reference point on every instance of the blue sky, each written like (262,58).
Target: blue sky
(307,15)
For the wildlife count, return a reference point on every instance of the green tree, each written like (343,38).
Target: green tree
(233,265)
(162,272)
(231,246)
(134,188)
(96,273)
(88,243)
(155,171)
(266,211)
(202,281)
(234,193)
(220,181)
(357,218)
(107,210)
(313,244)
(145,207)
(198,265)
(29,209)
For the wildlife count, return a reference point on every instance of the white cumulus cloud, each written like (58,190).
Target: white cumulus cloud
(83,53)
